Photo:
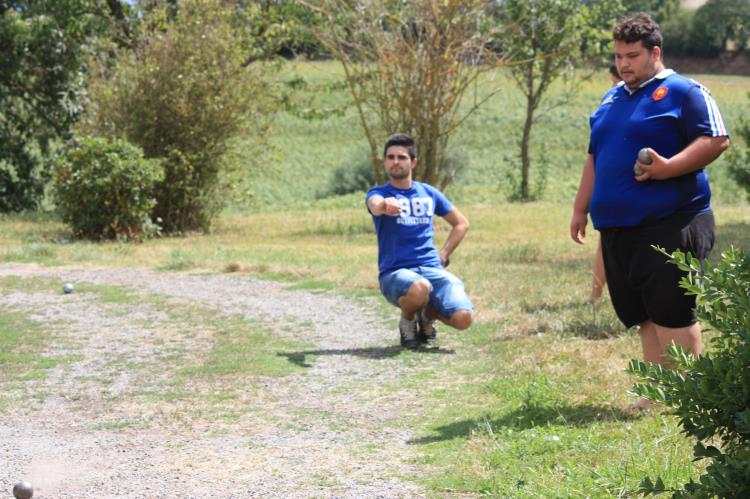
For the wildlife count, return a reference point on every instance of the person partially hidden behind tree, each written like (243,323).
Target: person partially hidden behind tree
(664,202)
(412,272)
(599,279)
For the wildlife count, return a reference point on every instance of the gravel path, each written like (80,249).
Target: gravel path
(332,430)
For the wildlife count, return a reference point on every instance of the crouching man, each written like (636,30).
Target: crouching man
(412,271)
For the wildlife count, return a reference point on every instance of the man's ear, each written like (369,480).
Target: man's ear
(657,53)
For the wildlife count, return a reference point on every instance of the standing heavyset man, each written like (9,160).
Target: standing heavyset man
(412,272)
(664,203)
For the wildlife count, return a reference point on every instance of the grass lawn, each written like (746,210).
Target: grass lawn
(529,405)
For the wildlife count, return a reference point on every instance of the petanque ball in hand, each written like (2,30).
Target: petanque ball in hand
(67,288)
(644,158)
(23,490)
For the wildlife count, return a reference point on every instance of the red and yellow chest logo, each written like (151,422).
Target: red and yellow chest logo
(660,93)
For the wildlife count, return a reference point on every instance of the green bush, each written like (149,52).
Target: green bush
(710,394)
(719,24)
(42,68)
(189,89)
(676,30)
(105,190)
(739,159)
(354,174)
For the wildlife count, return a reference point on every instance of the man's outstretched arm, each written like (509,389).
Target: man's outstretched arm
(459,227)
(379,205)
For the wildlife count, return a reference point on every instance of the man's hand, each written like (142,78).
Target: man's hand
(459,226)
(578,227)
(390,207)
(444,260)
(383,206)
(658,169)
(698,154)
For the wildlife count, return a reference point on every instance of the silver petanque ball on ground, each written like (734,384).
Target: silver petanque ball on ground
(23,490)
(67,288)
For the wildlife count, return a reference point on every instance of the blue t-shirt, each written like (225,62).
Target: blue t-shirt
(406,240)
(665,114)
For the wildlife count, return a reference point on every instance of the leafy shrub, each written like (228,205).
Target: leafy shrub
(105,190)
(41,87)
(189,89)
(677,33)
(710,394)
(354,174)
(739,159)
(717,24)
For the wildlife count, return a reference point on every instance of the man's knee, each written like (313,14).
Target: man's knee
(462,319)
(419,289)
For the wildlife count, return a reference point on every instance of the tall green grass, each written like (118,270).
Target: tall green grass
(303,154)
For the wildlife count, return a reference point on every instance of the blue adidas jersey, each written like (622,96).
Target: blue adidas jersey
(406,240)
(665,114)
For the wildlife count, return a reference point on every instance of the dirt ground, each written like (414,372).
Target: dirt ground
(337,428)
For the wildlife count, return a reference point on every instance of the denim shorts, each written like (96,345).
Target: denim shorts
(447,296)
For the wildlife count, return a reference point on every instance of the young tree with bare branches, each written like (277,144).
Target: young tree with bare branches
(555,38)
(408,65)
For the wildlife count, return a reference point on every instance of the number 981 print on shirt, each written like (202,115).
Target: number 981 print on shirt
(406,240)
(416,210)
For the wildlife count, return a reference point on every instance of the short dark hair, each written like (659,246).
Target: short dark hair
(638,27)
(403,140)
(613,71)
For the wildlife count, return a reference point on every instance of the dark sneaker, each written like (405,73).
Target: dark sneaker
(408,331)
(427,334)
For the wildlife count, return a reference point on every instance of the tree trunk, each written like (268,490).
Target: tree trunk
(377,166)
(525,138)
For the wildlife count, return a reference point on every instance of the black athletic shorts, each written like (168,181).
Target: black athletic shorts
(642,284)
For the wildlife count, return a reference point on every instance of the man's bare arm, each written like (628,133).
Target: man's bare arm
(698,154)
(379,205)
(581,205)
(459,227)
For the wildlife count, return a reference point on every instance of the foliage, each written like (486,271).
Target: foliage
(354,174)
(407,66)
(717,23)
(711,394)
(739,158)
(554,37)
(43,45)
(189,88)
(660,10)
(294,20)
(105,190)
(676,30)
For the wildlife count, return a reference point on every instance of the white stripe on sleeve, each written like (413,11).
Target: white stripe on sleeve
(718,128)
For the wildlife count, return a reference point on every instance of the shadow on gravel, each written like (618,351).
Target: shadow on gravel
(524,418)
(375,353)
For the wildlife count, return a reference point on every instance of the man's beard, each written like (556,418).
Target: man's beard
(400,175)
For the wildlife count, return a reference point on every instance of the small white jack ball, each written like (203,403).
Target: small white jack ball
(67,288)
